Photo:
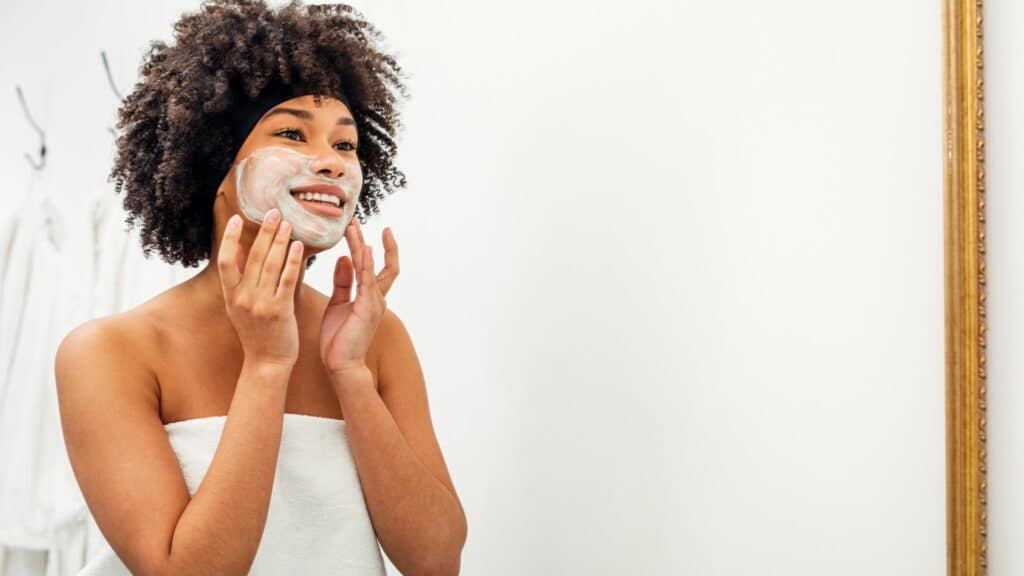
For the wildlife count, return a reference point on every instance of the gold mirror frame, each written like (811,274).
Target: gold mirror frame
(964,230)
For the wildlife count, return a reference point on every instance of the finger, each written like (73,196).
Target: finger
(368,277)
(290,274)
(271,273)
(343,277)
(359,233)
(227,262)
(352,237)
(358,241)
(240,260)
(259,248)
(387,276)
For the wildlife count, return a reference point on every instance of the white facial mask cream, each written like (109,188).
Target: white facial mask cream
(266,177)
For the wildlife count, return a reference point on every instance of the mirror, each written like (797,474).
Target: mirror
(672,271)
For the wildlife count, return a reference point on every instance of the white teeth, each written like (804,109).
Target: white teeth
(318,197)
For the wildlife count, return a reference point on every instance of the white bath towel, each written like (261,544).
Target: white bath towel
(317,522)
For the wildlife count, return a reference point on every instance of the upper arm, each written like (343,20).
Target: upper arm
(116,442)
(404,392)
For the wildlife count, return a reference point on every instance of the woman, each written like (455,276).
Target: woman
(178,414)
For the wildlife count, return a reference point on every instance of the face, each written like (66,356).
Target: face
(301,159)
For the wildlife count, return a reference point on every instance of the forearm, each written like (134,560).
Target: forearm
(220,529)
(417,519)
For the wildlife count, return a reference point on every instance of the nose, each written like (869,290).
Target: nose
(327,162)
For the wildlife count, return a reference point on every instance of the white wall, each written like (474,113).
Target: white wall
(673,269)
(1004,128)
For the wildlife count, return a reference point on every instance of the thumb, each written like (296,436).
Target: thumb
(343,277)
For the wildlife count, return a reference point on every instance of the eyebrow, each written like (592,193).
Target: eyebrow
(343,121)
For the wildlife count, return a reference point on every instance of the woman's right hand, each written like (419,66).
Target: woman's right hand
(258,294)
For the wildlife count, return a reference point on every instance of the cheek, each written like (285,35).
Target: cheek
(231,195)
(353,168)
(355,176)
(227,187)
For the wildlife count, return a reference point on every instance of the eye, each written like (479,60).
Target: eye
(287,131)
(352,145)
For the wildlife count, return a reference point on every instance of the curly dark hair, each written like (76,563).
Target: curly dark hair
(174,127)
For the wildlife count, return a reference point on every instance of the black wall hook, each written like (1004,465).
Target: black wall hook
(110,77)
(38,165)
(113,86)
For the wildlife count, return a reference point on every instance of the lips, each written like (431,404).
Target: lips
(322,189)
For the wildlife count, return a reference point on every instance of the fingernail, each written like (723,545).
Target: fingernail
(272,214)
(234,222)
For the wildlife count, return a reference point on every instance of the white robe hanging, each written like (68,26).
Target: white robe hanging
(41,303)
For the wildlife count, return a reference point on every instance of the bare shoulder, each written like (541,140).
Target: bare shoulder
(121,334)
(395,345)
(114,356)
(123,338)
(105,357)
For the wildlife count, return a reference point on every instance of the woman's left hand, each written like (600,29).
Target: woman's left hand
(348,327)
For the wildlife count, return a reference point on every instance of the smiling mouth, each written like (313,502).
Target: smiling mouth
(325,207)
(318,198)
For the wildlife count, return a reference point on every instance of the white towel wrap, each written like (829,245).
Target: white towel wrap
(317,522)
